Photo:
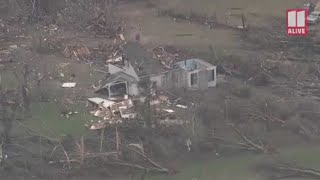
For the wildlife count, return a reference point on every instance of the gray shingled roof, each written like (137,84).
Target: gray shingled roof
(119,76)
(139,59)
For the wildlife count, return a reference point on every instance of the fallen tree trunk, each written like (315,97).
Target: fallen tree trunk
(297,172)
(283,171)
(156,165)
(256,147)
(137,166)
(238,144)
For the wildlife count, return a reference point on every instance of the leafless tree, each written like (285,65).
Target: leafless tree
(8,107)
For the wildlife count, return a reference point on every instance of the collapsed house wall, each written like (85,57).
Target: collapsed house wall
(133,89)
(212,76)
(199,74)
(193,79)
(159,80)
(179,78)
(203,79)
(190,73)
(176,78)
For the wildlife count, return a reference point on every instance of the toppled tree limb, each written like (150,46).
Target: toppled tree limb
(59,144)
(101,71)
(300,172)
(238,144)
(266,117)
(148,169)
(158,167)
(282,171)
(62,148)
(80,155)
(255,147)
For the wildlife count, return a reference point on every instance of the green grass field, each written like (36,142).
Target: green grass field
(217,169)
(46,118)
(241,167)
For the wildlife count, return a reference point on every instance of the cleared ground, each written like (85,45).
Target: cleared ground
(163,30)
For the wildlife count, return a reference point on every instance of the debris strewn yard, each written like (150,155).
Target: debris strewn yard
(148,89)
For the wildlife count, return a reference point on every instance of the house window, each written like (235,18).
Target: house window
(104,91)
(118,89)
(194,79)
(163,81)
(154,84)
(211,74)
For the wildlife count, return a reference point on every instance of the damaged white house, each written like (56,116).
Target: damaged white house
(190,74)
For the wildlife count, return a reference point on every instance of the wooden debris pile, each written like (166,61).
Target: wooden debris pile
(167,55)
(105,23)
(110,112)
(100,26)
(169,110)
(104,54)
(10,29)
(80,53)
(111,53)
(49,41)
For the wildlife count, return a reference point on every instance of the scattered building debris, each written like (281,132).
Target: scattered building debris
(102,113)
(101,102)
(67,114)
(127,113)
(101,124)
(79,53)
(188,144)
(69,84)
(182,106)
(97,126)
(125,108)
(105,24)
(115,60)
(62,65)
(122,37)
(127,103)
(112,112)
(167,55)
(13,47)
(168,110)
(172,122)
